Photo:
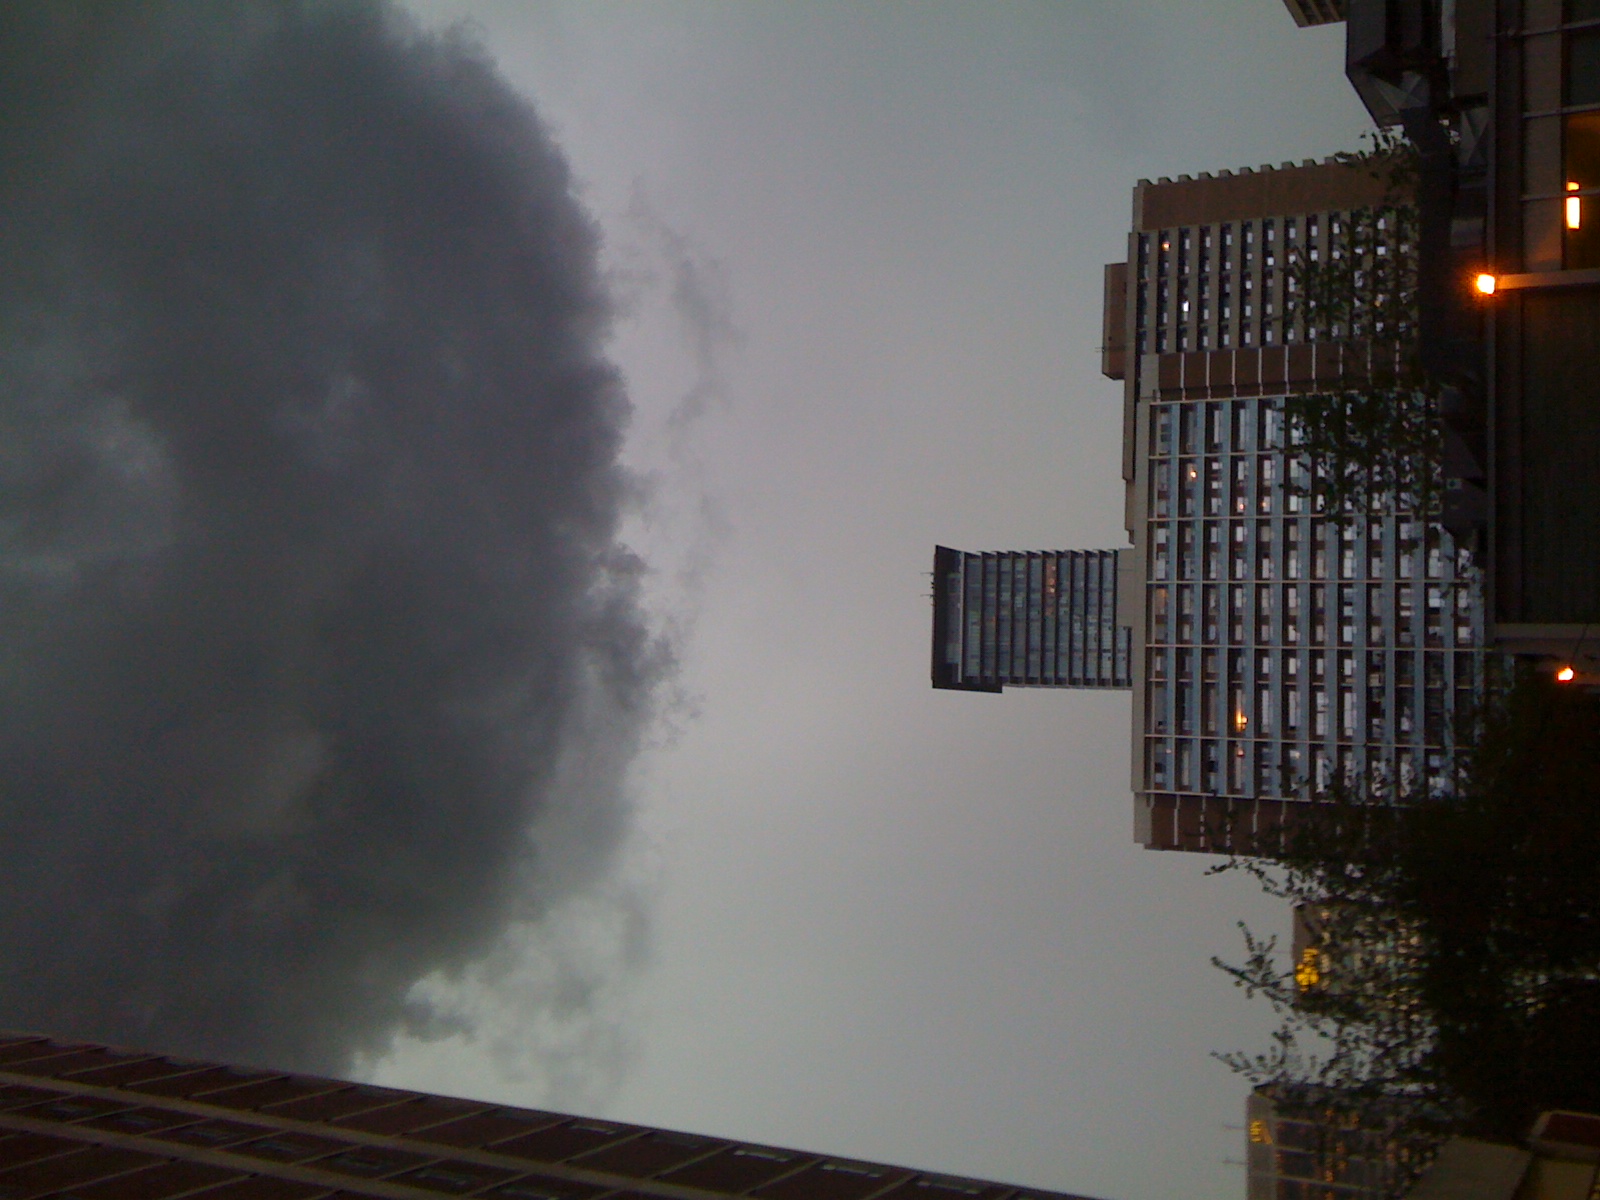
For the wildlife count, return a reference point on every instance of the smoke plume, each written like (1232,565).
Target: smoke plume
(321,665)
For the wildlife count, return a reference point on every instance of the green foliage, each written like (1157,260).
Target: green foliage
(1366,289)
(1376,445)
(1461,976)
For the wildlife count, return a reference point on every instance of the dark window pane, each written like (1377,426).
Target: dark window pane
(1583,149)
(1583,67)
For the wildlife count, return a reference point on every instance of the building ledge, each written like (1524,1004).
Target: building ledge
(1541,280)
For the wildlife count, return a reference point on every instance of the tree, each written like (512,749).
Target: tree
(1462,933)
(1376,443)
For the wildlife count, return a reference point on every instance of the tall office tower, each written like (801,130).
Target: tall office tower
(1053,618)
(95,1123)
(1299,1145)
(1278,648)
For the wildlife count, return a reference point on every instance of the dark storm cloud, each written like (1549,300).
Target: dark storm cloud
(311,606)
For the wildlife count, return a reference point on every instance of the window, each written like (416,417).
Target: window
(1161,431)
(1375,614)
(1266,477)
(1243,425)
(1264,557)
(1583,67)
(1271,428)
(1582,175)
(1158,616)
(1186,552)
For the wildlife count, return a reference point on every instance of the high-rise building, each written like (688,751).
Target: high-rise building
(95,1123)
(1272,648)
(1279,648)
(1307,1143)
(1055,618)
(1303,1143)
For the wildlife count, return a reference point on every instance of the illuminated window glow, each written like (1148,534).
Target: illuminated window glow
(1308,971)
(1566,674)
(1485,284)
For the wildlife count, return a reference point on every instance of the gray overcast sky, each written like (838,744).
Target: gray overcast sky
(861,248)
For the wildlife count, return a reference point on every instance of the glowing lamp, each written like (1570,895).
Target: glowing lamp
(1566,675)
(1485,283)
(1574,212)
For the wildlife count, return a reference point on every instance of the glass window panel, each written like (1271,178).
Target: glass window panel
(1583,67)
(1541,64)
(1541,156)
(1189,418)
(1163,429)
(1582,213)
(1542,234)
(1541,14)
(1583,10)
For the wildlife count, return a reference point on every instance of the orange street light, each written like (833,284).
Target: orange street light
(1565,675)
(1485,283)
